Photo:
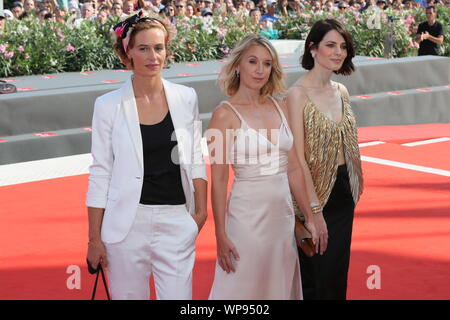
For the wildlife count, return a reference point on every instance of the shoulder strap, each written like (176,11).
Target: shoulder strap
(235,111)
(280,111)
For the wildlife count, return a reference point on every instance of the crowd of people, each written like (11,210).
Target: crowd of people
(264,12)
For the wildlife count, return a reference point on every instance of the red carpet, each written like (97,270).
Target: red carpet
(402,225)
(404,134)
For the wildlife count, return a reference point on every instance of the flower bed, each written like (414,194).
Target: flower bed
(35,47)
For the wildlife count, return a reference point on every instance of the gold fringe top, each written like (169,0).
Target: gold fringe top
(323,140)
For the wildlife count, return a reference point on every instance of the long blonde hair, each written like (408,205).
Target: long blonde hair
(228,79)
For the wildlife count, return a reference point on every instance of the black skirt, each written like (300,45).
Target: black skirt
(325,277)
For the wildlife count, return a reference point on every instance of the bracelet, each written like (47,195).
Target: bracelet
(315,207)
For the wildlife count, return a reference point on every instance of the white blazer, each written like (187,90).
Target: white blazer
(117,170)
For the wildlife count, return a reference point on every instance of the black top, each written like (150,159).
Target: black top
(428,47)
(162,177)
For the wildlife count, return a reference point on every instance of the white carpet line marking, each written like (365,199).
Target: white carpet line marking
(408,166)
(371,143)
(44,169)
(419,143)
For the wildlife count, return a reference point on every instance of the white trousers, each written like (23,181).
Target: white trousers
(161,242)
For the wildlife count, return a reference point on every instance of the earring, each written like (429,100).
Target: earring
(313,55)
(237,74)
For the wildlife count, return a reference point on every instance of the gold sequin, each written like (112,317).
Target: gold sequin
(323,139)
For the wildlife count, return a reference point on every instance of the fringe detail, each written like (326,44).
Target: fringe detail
(323,139)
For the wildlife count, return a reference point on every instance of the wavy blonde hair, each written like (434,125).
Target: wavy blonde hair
(228,79)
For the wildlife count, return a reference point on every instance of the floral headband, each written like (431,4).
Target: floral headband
(123,29)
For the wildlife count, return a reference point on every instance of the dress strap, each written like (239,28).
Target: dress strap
(283,118)
(235,111)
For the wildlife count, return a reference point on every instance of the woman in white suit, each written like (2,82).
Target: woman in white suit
(147,186)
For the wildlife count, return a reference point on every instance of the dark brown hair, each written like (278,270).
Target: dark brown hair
(144,25)
(317,33)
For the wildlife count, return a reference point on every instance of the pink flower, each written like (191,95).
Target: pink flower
(413,44)
(9,55)
(221,33)
(2,48)
(27,56)
(70,48)
(119,31)
(20,49)
(60,35)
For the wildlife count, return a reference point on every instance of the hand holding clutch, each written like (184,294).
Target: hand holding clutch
(304,238)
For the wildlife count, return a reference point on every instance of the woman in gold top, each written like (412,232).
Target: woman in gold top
(326,143)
